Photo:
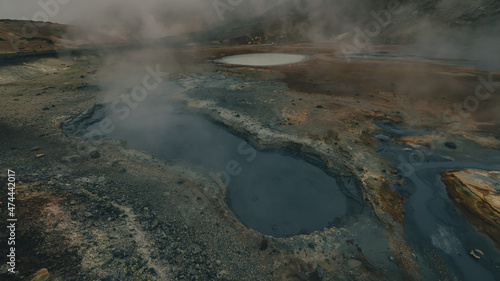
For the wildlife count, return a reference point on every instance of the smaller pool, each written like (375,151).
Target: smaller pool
(262,59)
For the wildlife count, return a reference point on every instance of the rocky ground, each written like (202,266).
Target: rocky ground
(87,215)
(476,194)
(100,211)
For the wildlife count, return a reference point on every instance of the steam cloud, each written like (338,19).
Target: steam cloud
(133,19)
(446,28)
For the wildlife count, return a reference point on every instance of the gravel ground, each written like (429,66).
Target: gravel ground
(99,211)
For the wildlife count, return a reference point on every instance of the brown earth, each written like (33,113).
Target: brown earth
(28,36)
(477,198)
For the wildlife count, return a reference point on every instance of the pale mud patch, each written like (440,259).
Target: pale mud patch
(263,59)
(145,247)
(445,240)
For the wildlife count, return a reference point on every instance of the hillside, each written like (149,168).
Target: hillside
(294,21)
(322,20)
(27,36)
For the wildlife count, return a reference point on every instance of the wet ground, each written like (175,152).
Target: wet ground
(153,216)
(431,219)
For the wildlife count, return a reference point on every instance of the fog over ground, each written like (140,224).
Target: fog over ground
(129,12)
(445,29)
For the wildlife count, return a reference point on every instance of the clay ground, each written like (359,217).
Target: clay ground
(103,212)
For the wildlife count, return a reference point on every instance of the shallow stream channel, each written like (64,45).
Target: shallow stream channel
(432,224)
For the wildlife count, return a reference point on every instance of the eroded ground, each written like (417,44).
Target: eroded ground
(91,211)
(476,194)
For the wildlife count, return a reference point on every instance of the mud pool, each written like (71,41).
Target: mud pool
(271,192)
(431,221)
(262,59)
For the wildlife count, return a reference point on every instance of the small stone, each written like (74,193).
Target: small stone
(472,253)
(118,253)
(450,145)
(94,154)
(302,276)
(320,272)
(218,262)
(382,137)
(475,253)
(41,275)
(311,245)
(40,155)
(391,258)
(263,245)
(319,106)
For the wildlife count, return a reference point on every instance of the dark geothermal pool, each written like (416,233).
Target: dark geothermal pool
(270,192)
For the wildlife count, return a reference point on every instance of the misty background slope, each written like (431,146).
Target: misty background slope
(443,28)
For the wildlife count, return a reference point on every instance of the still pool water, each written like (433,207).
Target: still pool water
(270,192)
(262,59)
